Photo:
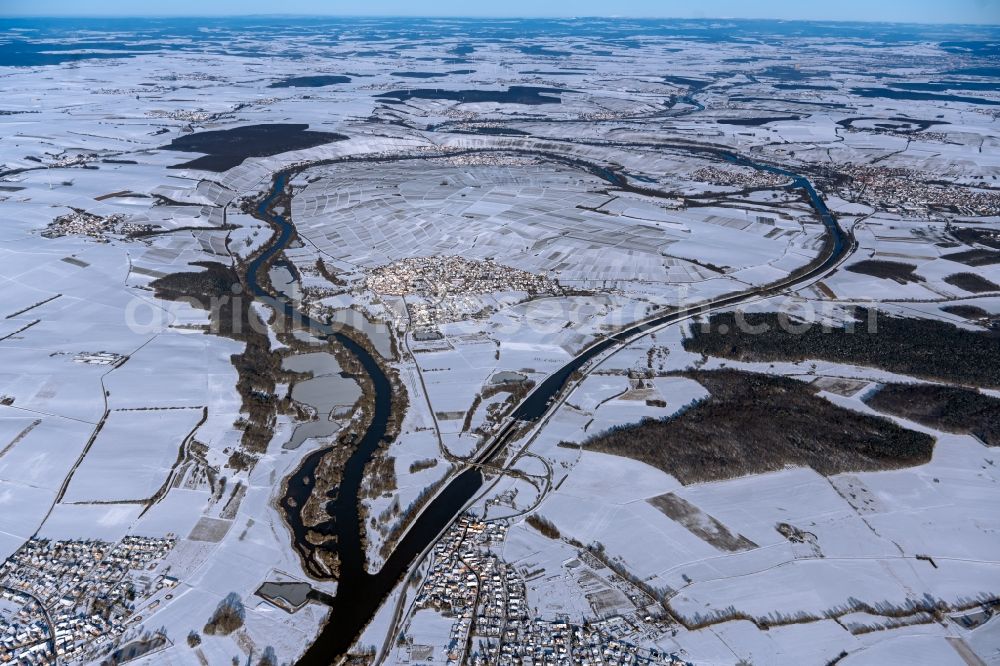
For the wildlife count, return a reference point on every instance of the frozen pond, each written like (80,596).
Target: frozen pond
(283,281)
(293,595)
(328,392)
(507,377)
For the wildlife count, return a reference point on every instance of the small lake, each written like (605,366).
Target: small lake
(291,594)
(507,377)
(284,282)
(328,392)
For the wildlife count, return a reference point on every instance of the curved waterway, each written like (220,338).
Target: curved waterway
(359,593)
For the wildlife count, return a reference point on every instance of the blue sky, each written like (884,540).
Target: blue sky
(921,11)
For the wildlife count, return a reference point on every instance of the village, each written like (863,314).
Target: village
(81,223)
(445,286)
(902,191)
(68,601)
(453,276)
(742,177)
(487,598)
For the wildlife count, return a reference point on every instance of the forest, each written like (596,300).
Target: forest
(925,348)
(945,408)
(753,423)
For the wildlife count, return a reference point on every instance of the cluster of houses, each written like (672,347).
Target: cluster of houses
(453,276)
(739,177)
(75,598)
(100,358)
(903,191)
(72,160)
(445,287)
(486,597)
(560,643)
(82,223)
(187,115)
(490,158)
(25,634)
(459,565)
(424,315)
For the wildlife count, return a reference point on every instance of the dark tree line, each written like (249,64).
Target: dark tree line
(971,282)
(755,423)
(924,348)
(891,270)
(218,289)
(944,408)
(543,525)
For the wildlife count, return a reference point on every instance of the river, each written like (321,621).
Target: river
(359,593)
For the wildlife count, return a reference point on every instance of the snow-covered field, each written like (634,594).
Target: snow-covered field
(134,454)
(120,414)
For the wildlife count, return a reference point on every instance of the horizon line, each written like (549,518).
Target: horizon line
(490,18)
